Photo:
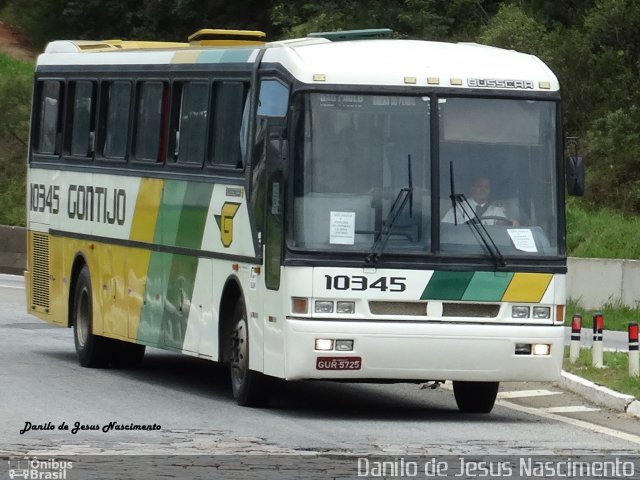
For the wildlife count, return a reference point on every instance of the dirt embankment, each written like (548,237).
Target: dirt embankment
(14,44)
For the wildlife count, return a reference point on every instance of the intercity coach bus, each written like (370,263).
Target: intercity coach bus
(302,209)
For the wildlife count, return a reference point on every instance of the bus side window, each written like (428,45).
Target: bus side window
(191,112)
(274,99)
(151,121)
(117,102)
(50,121)
(228,105)
(82,120)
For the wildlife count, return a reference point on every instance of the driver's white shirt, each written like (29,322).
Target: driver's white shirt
(491,211)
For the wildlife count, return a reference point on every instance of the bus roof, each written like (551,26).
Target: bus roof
(412,62)
(321,61)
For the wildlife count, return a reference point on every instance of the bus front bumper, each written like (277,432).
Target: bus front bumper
(422,351)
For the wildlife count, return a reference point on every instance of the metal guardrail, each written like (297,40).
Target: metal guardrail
(13,250)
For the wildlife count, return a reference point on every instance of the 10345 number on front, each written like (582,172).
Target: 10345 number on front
(362,283)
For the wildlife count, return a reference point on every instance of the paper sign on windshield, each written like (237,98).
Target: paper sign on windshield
(522,239)
(342,228)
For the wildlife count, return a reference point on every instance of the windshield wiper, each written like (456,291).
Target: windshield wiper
(459,199)
(404,196)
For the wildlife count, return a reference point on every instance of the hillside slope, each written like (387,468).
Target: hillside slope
(13,43)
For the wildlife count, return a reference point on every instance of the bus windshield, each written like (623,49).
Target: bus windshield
(355,155)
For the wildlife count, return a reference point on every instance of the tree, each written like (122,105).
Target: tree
(423,19)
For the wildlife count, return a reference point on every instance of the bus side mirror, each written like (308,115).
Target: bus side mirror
(575,175)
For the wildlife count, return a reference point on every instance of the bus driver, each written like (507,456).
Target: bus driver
(488,213)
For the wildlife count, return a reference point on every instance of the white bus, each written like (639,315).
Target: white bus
(283,208)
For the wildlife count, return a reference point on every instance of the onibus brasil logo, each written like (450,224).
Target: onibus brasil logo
(32,468)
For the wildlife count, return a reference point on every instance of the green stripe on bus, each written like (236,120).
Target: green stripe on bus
(170,212)
(171,277)
(487,286)
(178,300)
(149,328)
(195,209)
(194,215)
(447,286)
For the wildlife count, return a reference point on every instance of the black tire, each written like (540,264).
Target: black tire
(125,354)
(93,350)
(250,388)
(475,397)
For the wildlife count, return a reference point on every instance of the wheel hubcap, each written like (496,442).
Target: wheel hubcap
(82,318)
(239,352)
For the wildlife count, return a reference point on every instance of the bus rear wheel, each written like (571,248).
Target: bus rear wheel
(250,388)
(92,350)
(475,397)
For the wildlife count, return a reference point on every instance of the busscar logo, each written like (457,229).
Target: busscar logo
(500,83)
(225,222)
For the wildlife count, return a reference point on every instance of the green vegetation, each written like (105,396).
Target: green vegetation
(15,99)
(601,232)
(614,375)
(616,316)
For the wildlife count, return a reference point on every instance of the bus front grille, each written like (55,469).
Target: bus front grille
(449,309)
(40,272)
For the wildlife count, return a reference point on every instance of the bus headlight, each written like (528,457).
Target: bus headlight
(346,307)
(519,311)
(541,312)
(323,306)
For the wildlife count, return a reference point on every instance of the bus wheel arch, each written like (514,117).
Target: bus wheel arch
(231,293)
(92,350)
(78,264)
(250,388)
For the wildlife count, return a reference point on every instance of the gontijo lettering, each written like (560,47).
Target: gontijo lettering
(84,202)
(97,204)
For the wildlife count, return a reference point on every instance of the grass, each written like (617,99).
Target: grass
(614,375)
(600,233)
(616,317)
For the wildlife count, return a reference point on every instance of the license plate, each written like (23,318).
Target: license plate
(338,363)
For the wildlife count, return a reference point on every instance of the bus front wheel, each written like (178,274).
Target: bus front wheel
(250,388)
(475,397)
(92,350)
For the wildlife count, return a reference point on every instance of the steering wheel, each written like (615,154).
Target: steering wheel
(498,218)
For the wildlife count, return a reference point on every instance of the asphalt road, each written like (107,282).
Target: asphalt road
(189,403)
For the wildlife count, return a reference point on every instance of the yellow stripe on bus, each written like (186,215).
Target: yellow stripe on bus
(188,56)
(143,229)
(143,226)
(527,287)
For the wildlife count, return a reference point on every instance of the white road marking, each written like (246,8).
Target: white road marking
(570,409)
(526,393)
(15,282)
(571,421)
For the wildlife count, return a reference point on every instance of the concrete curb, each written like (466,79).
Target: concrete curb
(600,395)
